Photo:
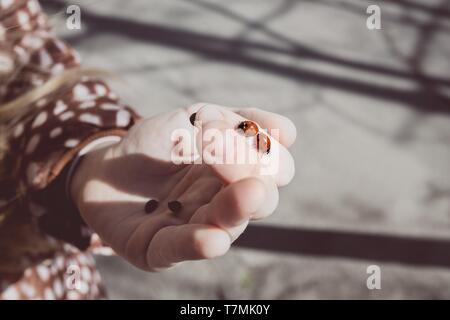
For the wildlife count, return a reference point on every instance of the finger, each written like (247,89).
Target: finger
(267,120)
(270,121)
(234,159)
(226,152)
(236,204)
(186,177)
(140,239)
(270,201)
(279,162)
(233,205)
(198,194)
(174,244)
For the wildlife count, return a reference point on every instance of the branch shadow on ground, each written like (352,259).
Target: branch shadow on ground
(302,241)
(218,48)
(352,245)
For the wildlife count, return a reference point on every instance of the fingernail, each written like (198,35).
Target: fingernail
(174,206)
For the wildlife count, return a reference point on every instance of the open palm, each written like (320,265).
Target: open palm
(113,184)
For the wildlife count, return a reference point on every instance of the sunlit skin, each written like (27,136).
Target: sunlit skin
(113,184)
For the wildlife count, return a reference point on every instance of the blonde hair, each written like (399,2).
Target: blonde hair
(55,85)
(9,111)
(18,236)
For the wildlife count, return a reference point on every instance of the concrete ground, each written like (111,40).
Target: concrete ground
(373,153)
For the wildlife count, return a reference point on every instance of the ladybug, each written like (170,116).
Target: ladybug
(175,206)
(192,118)
(263,143)
(151,205)
(249,127)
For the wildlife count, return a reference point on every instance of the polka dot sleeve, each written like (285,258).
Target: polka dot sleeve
(45,140)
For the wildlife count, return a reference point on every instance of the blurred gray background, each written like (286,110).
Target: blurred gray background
(372,110)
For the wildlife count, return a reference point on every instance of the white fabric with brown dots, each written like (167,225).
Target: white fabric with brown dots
(42,145)
(71,275)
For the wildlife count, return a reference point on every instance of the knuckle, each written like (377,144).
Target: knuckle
(198,245)
(196,107)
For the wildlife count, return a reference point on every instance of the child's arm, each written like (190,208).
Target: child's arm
(111,185)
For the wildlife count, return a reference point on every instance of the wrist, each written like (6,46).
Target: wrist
(89,167)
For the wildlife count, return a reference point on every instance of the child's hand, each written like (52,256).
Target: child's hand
(112,185)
